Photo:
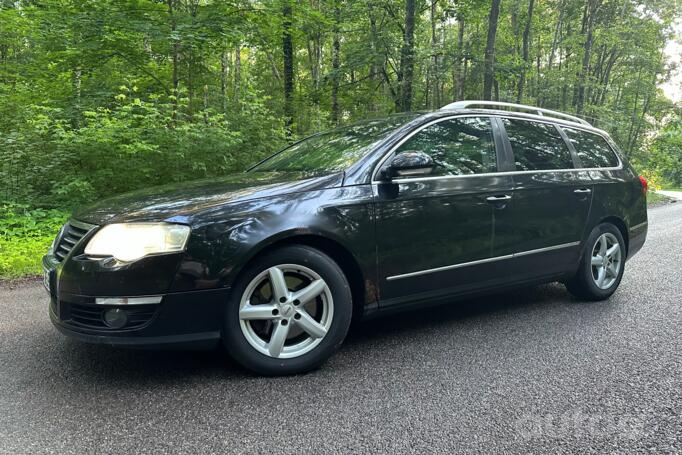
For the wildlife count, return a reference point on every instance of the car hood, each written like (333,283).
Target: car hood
(182,200)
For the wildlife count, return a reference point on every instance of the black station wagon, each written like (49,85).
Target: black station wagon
(381,215)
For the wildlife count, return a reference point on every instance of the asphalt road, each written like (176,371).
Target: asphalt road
(530,371)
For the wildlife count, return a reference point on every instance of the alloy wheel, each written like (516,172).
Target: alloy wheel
(286,311)
(606,260)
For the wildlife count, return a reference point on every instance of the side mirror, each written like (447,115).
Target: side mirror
(409,164)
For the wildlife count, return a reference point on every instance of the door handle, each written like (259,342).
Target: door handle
(496,199)
(582,191)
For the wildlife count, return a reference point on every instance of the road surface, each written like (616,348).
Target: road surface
(529,371)
(673,194)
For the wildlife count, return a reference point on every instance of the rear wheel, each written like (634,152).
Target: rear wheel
(601,266)
(288,312)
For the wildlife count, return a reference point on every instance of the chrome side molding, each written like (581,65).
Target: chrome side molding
(481,261)
(637,226)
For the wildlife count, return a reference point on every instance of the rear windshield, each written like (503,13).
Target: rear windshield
(334,150)
(592,149)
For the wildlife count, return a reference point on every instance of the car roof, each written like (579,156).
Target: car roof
(513,114)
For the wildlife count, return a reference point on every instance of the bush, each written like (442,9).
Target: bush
(665,156)
(25,236)
(135,144)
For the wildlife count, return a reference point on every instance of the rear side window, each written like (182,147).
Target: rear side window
(458,146)
(592,149)
(537,146)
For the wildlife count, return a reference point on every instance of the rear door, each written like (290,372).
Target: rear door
(435,233)
(551,204)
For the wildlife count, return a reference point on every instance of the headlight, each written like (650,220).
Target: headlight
(131,241)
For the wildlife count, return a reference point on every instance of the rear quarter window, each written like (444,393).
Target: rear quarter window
(592,149)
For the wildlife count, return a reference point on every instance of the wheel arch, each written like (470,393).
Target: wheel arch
(622,227)
(332,248)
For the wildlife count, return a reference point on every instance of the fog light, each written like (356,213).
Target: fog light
(115,318)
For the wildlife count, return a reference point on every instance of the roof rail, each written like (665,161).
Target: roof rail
(516,107)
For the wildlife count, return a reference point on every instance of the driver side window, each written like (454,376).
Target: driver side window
(458,146)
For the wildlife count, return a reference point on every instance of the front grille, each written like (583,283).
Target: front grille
(71,234)
(93,316)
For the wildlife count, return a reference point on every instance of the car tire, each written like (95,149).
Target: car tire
(585,284)
(313,329)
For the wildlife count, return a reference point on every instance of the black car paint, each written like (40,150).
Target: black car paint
(379,229)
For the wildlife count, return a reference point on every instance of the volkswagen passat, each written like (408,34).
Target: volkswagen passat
(382,215)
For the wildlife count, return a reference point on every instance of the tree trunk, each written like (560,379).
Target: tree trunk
(205,109)
(607,77)
(633,117)
(191,6)
(489,61)
(288,70)
(459,79)
(555,39)
(314,46)
(76,79)
(375,65)
(533,90)
(563,64)
(223,79)
(645,111)
(434,82)
(464,78)
(237,72)
(525,51)
(336,63)
(175,57)
(407,58)
(542,93)
(588,25)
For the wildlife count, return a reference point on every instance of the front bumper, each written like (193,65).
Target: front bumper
(189,319)
(185,319)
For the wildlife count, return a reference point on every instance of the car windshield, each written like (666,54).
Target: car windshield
(334,150)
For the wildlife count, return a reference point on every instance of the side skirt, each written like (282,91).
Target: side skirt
(449,296)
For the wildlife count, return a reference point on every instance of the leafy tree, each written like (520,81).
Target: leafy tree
(665,158)
(102,96)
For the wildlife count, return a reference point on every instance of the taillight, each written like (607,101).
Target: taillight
(645,184)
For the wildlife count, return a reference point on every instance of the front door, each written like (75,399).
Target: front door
(435,234)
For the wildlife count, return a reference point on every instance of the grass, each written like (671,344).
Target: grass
(25,236)
(653,198)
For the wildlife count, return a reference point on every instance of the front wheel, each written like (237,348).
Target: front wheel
(288,312)
(601,266)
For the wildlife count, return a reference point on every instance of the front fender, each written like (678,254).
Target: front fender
(225,239)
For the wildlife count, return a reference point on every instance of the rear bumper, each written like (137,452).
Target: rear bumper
(181,320)
(637,237)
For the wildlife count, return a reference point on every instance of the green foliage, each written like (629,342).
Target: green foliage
(99,97)
(665,157)
(133,144)
(25,236)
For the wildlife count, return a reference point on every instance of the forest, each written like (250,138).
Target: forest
(99,97)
